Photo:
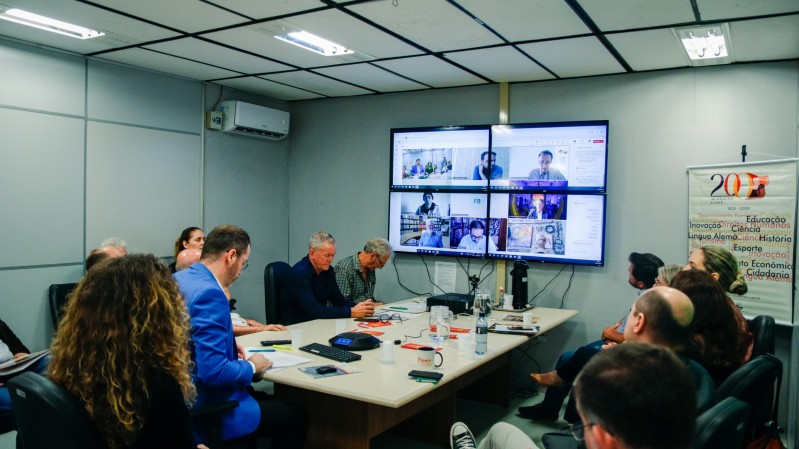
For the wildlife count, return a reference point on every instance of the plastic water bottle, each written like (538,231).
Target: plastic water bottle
(481,337)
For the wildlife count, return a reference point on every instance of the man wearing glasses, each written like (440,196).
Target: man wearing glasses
(355,275)
(659,411)
(220,374)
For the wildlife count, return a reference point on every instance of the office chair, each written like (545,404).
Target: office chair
(59,295)
(275,274)
(209,418)
(762,327)
(722,426)
(49,416)
(756,383)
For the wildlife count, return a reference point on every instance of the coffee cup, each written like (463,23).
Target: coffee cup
(425,357)
(527,319)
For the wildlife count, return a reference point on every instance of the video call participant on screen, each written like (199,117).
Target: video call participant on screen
(429,208)
(355,275)
(476,240)
(311,291)
(481,171)
(539,210)
(220,373)
(545,172)
(445,166)
(418,168)
(430,237)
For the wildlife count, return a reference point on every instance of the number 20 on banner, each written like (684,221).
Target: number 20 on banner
(740,185)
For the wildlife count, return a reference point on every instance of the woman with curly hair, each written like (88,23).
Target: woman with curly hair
(122,349)
(717,340)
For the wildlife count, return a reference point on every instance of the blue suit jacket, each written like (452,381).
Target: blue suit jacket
(218,373)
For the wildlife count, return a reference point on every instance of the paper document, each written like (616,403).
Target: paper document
(16,366)
(279,359)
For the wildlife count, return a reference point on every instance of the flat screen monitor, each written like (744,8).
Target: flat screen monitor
(439,223)
(439,158)
(548,227)
(566,156)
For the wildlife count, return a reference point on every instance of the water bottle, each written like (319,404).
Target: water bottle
(481,336)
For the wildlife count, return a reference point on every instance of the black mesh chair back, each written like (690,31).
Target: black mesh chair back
(58,295)
(275,274)
(48,416)
(757,383)
(762,327)
(722,426)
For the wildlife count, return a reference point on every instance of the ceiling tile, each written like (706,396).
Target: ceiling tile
(611,15)
(167,64)
(120,30)
(501,64)
(725,9)
(431,71)
(650,50)
(434,24)
(520,20)
(316,83)
(217,55)
(587,57)
(372,77)
(765,39)
(270,89)
(184,15)
(265,9)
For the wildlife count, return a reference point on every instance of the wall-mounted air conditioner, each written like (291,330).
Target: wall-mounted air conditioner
(253,120)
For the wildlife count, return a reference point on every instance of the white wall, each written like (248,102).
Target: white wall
(660,123)
(92,149)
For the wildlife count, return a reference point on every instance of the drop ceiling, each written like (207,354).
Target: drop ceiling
(405,45)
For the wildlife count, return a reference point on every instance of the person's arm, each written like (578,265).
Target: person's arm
(611,334)
(210,316)
(303,299)
(9,338)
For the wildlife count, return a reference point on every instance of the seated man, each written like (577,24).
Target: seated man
(621,405)
(643,270)
(220,374)
(99,254)
(241,326)
(430,237)
(355,275)
(477,240)
(311,291)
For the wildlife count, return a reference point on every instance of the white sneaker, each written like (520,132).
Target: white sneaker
(461,437)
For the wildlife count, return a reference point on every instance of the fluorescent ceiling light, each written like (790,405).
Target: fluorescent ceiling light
(706,45)
(313,43)
(48,24)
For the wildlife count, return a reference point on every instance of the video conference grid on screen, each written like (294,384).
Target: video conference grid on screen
(565,228)
(568,156)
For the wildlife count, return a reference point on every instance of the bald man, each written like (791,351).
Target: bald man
(662,316)
(187,258)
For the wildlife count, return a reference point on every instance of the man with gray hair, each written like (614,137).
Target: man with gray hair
(114,243)
(311,291)
(355,275)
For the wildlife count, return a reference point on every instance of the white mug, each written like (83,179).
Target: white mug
(426,355)
(527,319)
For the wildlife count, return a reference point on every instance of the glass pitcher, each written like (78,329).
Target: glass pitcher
(440,323)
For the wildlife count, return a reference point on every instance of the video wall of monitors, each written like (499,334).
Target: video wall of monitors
(526,191)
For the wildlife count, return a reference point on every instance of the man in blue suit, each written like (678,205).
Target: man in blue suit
(220,373)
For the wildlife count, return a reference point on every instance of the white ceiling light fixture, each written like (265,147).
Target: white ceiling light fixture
(706,45)
(46,23)
(316,44)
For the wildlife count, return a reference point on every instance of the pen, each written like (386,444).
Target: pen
(282,347)
(262,350)
(398,308)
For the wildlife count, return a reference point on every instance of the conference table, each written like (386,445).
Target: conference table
(347,411)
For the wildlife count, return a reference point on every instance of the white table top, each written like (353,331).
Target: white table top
(389,384)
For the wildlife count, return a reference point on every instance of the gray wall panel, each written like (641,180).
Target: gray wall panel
(26,80)
(142,185)
(41,177)
(121,94)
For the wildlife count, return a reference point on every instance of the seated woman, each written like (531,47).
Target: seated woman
(122,349)
(190,238)
(717,340)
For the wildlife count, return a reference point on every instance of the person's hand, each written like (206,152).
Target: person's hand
(274,327)
(202,446)
(378,303)
(363,309)
(20,355)
(261,363)
(609,345)
(240,350)
(611,333)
